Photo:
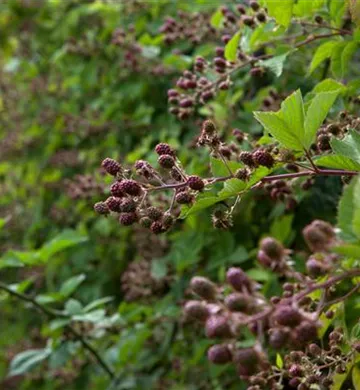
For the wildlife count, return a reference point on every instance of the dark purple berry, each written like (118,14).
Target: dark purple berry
(161,149)
(195,183)
(196,310)
(156,227)
(272,248)
(154,213)
(101,208)
(219,354)
(117,190)
(203,287)
(131,187)
(127,205)
(127,219)
(114,204)
(237,302)
(217,326)
(237,279)
(247,159)
(111,166)
(264,158)
(184,198)
(287,316)
(166,161)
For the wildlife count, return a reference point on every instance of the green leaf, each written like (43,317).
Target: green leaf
(329,85)
(232,187)
(286,125)
(64,240)
(306,8)
(232,46)
(27,360)
(336,59)
(281,10)
(337,162)
(93,316)
(200,204)
(216,18)
(70,285)
(219,169)
(347,211)
(281,228)
(73,307)
(275,64)
(348,147)
(279,361)
(348,250)
(321,54)
(337,9)
(356,216)
(316,113)
(98,302)
(278,128)
(355,376)
(338,309)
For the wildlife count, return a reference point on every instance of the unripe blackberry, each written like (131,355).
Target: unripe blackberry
(156,227)
(316,238)
(241,9)
(127,219)
(296,356)
(219,354)
(162,149)
(341,369)
(311,379)
(287,316)
(117,190)
(256,72)
(254,5)
(323,142)
(209,127)
(111,166)
(318,19)
(172,93)
(175,174)
(306,332)
(334,129)
(242,174)
(294,382)
(220,62)
(224,85)
(145,222)
(315,268)
(184,198)
(264,259)
(327,382)
(131,187)
(168,221)
(247,159)
(186,103)
(114,204)
(101,208)
(206,96)
(237,279)
(127,205)
(239,135)
(261,17)
(237,302)
(219,51)
(246,357)
(203,287)
(278,337)
(295,370)
(272,248)
(335,336)
(248,20)
(356,346)
(264,158)
(154,213)
(196,310)
(315,350)
(195,183)
(217,326)
(166,161)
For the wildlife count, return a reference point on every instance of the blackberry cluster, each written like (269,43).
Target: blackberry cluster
(140,201)
(287,323)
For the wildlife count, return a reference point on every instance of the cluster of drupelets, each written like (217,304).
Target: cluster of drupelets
(286,323)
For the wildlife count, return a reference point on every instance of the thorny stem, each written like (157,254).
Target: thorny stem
(54,314)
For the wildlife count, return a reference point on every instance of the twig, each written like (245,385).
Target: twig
(308,156)
(54,314)
(340,299)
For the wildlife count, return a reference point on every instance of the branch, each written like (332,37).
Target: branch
(54,314)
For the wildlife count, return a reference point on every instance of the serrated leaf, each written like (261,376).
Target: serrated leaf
(201,203)
(70,285)
(275,64)
(232,46)
(281,10)
(321,54)
(292,110)
(348,147)
(27,360)
(278,128)
(316,113)
(336,161)
(329,85)
(219,169)
(232,187)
